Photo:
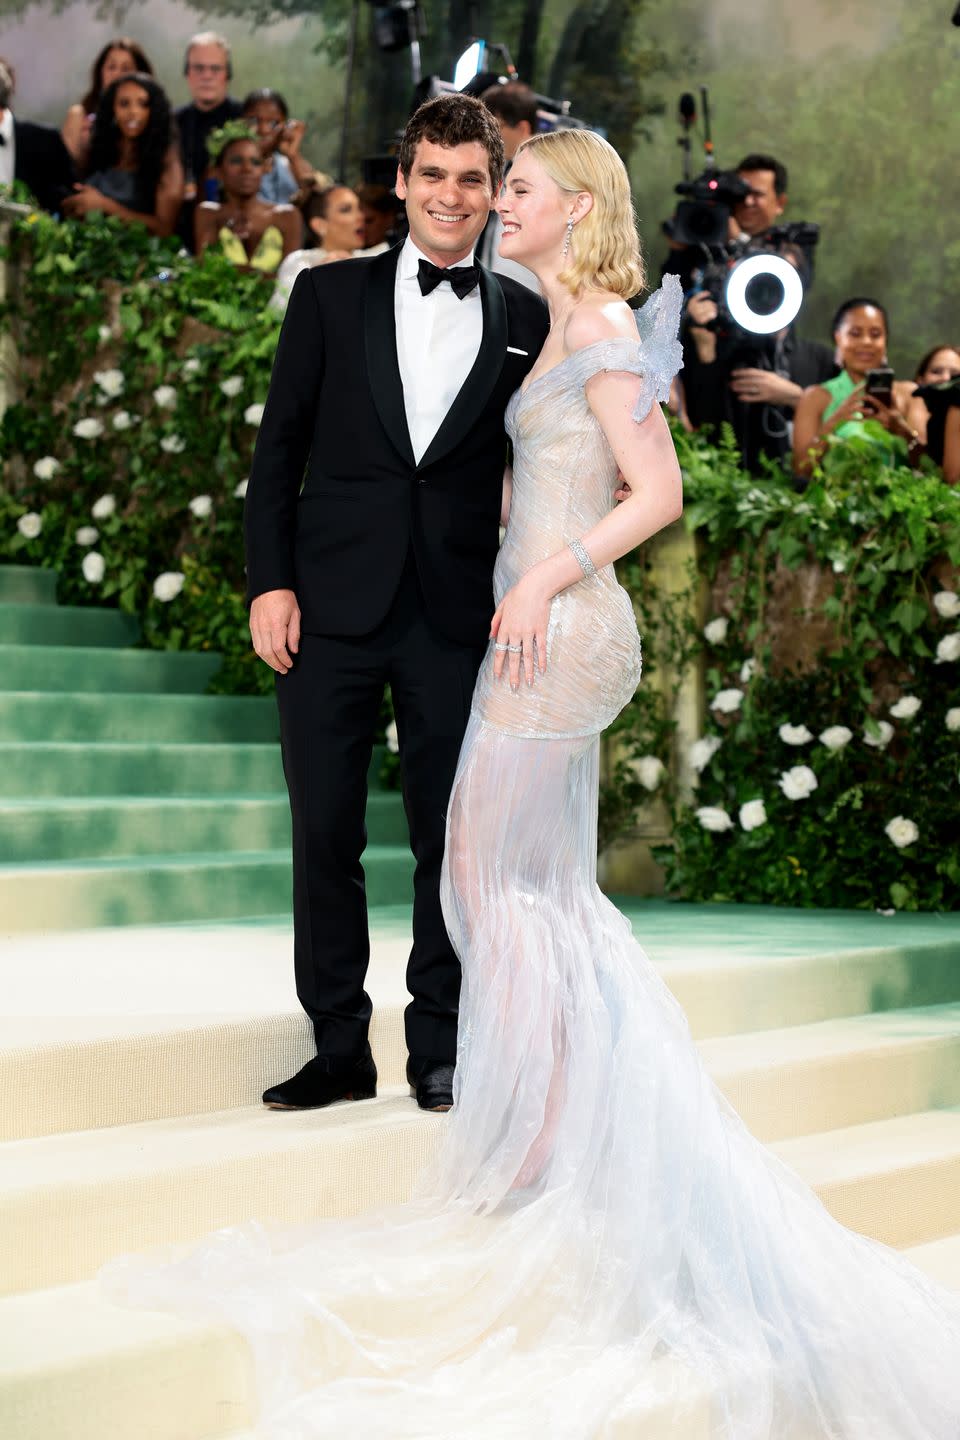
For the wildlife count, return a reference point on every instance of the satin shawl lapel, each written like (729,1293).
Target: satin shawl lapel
(380,339)
(475,391)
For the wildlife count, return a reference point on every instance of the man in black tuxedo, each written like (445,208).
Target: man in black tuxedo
(33,154)
(389,387)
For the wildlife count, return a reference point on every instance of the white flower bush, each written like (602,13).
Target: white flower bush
(167,586)
(88,429)
(835,737)
(30,525)
(649,771)
(753,814)
(901,831)
(93,567)
(702,752)
(104,507)
(190,367)
(953,718)
(795,734)
(240,489)
(715,818)
(716,631)
(46,467)
(123,420)
(254,414)
(232,386)
(947,604)
(201,506)
(104,333)
(949,648)
(747,671)
(173,444)
(87,535)
(727,701)
(839,565)
(392,739)
(166,397)
(882,739)
(906,707)
(798,782)
(110,382)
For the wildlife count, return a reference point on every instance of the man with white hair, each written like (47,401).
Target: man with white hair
(208,70)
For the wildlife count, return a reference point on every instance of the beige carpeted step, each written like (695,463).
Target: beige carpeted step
(940,1259)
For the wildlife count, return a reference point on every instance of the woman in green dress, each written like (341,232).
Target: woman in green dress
(252,233)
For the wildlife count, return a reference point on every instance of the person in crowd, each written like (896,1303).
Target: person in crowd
(253,234)
(841,406)
(33,154)
(286,171)
(122,56)
(514,107)
(207,66)
(749,220)
(940,364)
(951,445)
(134,171)
(381,210)
(335,223)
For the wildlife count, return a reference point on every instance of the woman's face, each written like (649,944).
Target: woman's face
(861,339)
(534,211)
(945,365)
(266,117)
(131,110)
(342,226)
(241,169)
(118,62)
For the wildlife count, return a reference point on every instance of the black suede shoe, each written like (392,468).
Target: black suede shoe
(432,1083)
(323,1080)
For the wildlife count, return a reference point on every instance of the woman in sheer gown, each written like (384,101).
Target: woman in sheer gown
(600,1239)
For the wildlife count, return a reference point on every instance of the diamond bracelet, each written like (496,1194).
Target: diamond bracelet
(582,557)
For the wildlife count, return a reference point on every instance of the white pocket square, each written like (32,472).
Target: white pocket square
(512,350)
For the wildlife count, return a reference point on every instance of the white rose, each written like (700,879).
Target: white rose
(87,535)
(726,701)
(839,566)
(798,782)
(122,420)
(713,817)
(240,489)
(906,707)
(881,741)
(104,333)
(702,752)
(173,444)
(104,507)
(835,737)
(30,525)
(649,771)
(947,604)
(46,467)
(166,397)
(901,831)
(953,718)
(753,813)
(191,366)
(716,632)
(747,671)
(949,648)
(795,734)
(393,740)
(168,585)
(110,382)
(93,567)
(232,385)
(88,429)
(201,505)
(253,414)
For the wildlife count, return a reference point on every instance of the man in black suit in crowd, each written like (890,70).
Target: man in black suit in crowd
(33,154)
(389,387)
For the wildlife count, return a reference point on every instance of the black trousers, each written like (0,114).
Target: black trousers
(329,705)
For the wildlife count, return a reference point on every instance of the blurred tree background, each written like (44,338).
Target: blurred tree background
(859,100)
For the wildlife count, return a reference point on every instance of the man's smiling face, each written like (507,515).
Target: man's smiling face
(448,196)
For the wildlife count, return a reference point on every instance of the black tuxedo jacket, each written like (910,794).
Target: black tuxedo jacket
(42,161)
(335,423)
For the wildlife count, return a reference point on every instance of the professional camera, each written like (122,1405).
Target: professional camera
(703,218)
(938,400)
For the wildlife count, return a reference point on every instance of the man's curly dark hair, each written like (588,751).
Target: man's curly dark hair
(454,120)
(152,145)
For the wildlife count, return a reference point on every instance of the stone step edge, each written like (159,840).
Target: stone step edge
(207,859)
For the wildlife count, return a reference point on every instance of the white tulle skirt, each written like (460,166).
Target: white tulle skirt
(600,1240)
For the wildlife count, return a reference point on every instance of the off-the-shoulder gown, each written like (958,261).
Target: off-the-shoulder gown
(600,1240)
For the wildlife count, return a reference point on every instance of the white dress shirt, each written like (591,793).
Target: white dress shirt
(8,154)
(438,338)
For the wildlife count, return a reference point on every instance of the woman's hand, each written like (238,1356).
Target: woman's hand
(521,622)
(290,137)
(84,200)
(853,408)
(888,416)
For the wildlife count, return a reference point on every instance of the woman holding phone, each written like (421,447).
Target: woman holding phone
(864,390)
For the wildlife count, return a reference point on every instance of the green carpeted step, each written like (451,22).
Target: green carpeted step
(162,888)
(28,585)
(56,716)
(65,625)
(76,668)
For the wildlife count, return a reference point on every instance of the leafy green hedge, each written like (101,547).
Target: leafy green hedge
(142,374)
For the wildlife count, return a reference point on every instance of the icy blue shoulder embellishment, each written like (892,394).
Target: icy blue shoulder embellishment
(658,326)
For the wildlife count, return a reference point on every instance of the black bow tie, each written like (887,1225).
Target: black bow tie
(463,278)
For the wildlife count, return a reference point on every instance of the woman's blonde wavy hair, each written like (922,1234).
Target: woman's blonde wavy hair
(604,248)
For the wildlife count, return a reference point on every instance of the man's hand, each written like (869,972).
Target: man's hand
(763,387)
(275,628)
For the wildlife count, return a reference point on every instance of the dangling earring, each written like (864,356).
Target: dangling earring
(566,239)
